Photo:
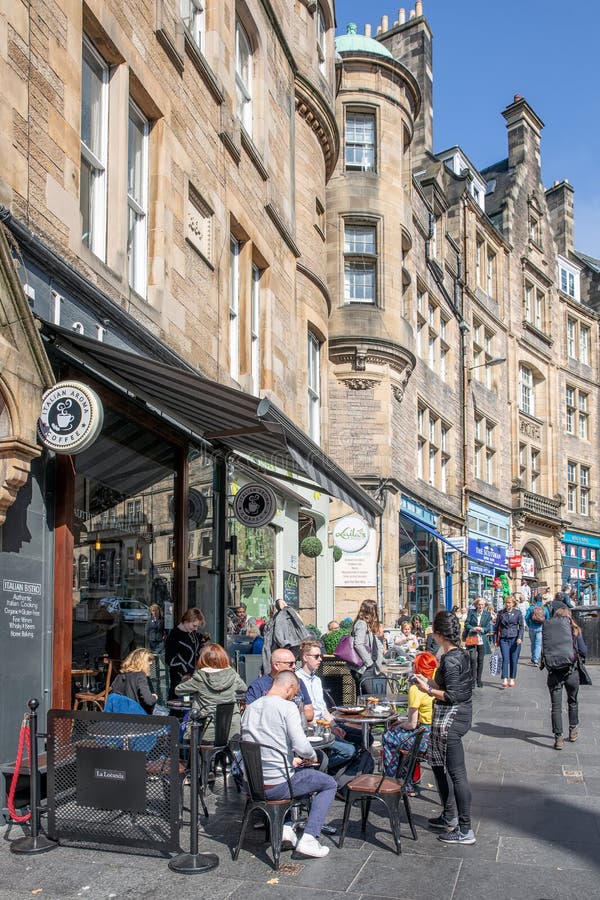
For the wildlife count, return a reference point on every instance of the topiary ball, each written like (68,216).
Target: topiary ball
(337,554)
(311,546)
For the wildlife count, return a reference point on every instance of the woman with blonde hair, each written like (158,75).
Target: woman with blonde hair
(213,682)
(365,632)
(133,679)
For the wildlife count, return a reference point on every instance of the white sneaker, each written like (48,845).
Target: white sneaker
(289,838)
(309,846)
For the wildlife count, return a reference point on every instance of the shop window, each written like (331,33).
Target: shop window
(361,153)
(94,149)
(137,199)
(243,76)
(360,263)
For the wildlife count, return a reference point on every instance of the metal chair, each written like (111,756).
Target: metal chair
(377,685)
(390,791)
(95,700)
(218,749)
(273,810)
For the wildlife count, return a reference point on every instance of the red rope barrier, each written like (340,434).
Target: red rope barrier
(24,740)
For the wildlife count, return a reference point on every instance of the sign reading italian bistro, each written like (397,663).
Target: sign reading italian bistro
(71,417)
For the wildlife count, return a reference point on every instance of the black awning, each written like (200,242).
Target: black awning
(208,411)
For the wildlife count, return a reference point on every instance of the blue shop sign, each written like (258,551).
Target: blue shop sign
(481,570)
(410,506)
(486,553)
(584,540)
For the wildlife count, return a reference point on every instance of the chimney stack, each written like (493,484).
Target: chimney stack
(384,23)
(401,15)
(560,207)
(419,8)
(524,130)
(368,29)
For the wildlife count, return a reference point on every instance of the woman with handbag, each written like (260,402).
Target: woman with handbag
(365,642)
(477,632)
(569,678)
(508,631)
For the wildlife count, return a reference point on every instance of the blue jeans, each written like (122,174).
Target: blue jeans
(340,753)
(535,636)
(510,651)
(306,781)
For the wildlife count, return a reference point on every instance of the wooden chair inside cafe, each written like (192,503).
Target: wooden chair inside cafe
(88,700)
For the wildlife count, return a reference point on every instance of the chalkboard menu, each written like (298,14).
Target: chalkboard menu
(291,593)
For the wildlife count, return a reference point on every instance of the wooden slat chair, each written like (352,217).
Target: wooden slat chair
(97,701)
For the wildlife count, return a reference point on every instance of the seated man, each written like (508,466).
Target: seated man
(280,661)
(274,720)
(342,751)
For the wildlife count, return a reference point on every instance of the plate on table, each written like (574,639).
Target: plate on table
(350,710)
(315,738)
(379,712)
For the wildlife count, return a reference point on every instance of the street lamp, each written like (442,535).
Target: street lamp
(491,362)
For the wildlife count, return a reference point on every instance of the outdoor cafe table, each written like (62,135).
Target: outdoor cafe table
(123,731)
(365,722)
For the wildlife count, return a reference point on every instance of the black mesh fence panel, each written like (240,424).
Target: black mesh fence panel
(113,780)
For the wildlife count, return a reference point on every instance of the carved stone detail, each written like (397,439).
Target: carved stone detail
(398,390)
(530,429)
(359,384)
(15,463)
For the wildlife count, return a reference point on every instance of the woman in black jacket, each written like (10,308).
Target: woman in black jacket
(133,679)
(508,630)
(451,687)
(183,646)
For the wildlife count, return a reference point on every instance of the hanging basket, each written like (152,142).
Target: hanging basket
(337,554)
(311,547)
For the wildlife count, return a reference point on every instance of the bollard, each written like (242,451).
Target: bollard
(35,842)
(192,862)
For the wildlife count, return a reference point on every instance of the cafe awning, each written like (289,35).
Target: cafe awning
(211,412)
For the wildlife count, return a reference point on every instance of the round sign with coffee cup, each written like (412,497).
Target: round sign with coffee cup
(71,417)
(255,505)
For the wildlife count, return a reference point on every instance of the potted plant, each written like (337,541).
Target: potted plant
(311,546)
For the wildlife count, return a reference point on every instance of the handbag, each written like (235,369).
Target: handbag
(471,640)
(345,650)
(495,663)
(584,675)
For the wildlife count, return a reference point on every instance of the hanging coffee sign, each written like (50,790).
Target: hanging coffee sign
(255,505)
(71,417)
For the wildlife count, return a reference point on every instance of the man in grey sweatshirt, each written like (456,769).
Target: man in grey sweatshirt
(274,720)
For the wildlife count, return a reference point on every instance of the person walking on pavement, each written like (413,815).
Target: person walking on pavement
(452,688)
(535,617)
(477,632)
(366,644)
(563,676)
(508,631)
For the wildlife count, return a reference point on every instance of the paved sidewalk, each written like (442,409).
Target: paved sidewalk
(536,813)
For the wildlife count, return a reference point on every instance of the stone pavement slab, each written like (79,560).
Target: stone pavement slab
(536,813)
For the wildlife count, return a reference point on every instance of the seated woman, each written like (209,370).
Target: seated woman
(420,712)
(406,640)
(213,682)
(417,629)
(133,679)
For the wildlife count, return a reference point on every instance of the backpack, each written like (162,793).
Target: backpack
(557,643)
(538,615)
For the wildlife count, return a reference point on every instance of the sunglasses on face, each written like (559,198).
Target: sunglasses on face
(316,655)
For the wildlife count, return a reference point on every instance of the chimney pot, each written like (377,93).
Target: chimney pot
(368,29)
(556,183)
(378,29)
(566,180)
(384,23)
(396,23)
(411,14)
(419,8)
(402,15)
(517,97)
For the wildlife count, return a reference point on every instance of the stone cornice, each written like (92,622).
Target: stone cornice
(531,267)
(316,280)
(312,106)
(361,352)
(391,67)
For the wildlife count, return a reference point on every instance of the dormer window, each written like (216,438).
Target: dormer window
(568,279)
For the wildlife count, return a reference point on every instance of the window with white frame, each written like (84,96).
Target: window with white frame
(137,199)
(486,266)
(577,412)
(255,330)
(360,263)
(243,76)
(193,16)
(490,273)
(579,341)
(485,449)
(433,446)
(535,303)
(321,40)
(568,278)
(234,307)
(526,390)
(534,228)
(94,149)
(432,334)
(314,387)
(530,467)
(360,141)
(483,353)
(578,488)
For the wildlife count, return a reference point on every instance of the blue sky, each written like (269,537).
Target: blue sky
(484,53)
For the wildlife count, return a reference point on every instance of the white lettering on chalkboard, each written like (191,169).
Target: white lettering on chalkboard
(21,606)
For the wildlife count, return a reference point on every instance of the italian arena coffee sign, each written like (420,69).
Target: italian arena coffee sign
(255,505)
(71,417)
(350,534)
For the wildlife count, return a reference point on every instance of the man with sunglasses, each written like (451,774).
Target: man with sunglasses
(281,661)
(311,655)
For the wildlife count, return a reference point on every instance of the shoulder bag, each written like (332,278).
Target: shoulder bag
(345,650)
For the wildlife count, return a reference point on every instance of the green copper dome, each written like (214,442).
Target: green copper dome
(351,42)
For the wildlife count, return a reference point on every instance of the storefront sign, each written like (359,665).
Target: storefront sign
(22,607)
(197,509)
(490,554)
(291,589)
(71,417)
(585,540)
(480,570)
(514,562)
(350,534)
(358,569)
(255,505)
(527,567)
(457,542)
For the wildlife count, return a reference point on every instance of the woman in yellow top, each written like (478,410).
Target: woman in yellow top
(420,712)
